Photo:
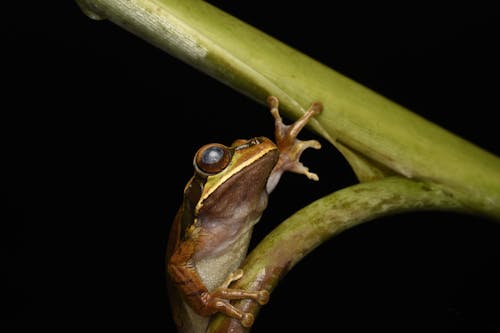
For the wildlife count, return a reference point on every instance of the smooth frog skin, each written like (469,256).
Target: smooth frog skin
(222,202)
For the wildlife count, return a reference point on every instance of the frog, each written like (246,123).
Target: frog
(222,202)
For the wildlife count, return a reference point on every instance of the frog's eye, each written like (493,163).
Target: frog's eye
(212,158)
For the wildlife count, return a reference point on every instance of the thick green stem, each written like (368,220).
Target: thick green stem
(305,230)
(377,136)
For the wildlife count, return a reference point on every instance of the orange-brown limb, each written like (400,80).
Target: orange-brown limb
(183,273)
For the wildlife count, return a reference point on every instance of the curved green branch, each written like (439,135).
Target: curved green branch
(286,245)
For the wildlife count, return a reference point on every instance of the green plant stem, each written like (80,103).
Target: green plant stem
(280,250)
(377,136)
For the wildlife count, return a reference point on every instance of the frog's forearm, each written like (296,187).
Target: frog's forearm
(289,146)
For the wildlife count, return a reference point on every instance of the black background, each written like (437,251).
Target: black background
(104,127)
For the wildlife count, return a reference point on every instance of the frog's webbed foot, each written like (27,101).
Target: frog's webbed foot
(289,146)
(219,299)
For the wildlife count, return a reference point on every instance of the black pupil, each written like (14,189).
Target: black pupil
(212,155)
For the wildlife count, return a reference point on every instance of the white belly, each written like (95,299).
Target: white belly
(214,270)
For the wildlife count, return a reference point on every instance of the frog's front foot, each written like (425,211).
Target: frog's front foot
(289,146)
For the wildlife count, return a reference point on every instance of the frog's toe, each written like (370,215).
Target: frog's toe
(262,297)
(247,319)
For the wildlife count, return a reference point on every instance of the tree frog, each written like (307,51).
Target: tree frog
(222,202)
